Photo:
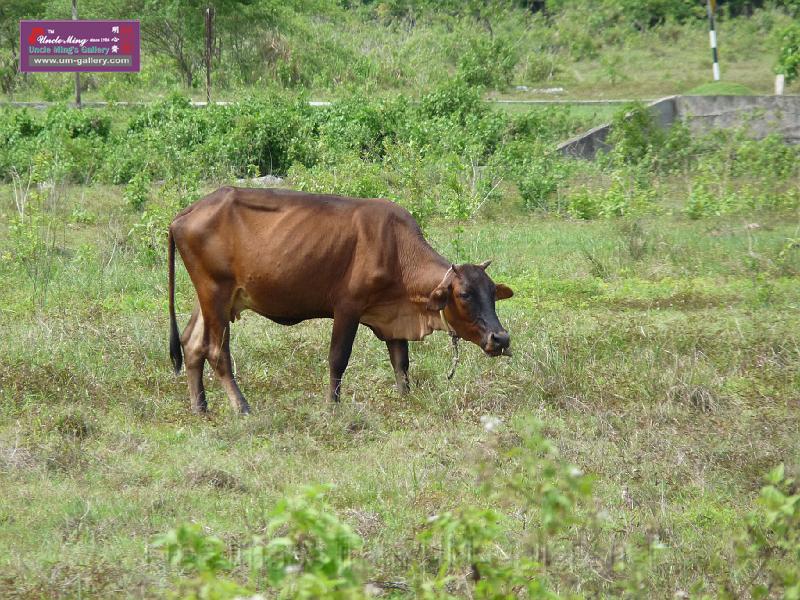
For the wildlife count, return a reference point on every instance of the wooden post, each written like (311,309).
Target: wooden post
(209,50)
(77,75)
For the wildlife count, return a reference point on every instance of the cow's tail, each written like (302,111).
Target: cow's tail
(174,337)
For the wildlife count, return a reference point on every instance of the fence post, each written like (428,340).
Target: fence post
(77,74)
(209,50)
(711,7)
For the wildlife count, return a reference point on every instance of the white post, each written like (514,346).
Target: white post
(780,81)
(711,6)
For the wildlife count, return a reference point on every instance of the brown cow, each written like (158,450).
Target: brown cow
(292,256)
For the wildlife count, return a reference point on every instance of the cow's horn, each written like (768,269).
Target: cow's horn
(485,264)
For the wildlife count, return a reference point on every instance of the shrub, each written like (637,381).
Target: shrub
(77,123)
(789,57)
(32,230)
(540,67)
(363,127)
(137,191)
(770,548)
(487,62)
(454,99)
(149,233)
(308,554)
(634,134)
(545,491)
(350,177)
(313,555)
(535,169)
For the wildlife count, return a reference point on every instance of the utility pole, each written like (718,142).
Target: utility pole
(77,75)
(209,50)
(711,7)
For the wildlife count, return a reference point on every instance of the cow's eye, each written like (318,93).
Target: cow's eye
(464,295)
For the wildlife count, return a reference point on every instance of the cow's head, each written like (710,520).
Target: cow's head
(467,296)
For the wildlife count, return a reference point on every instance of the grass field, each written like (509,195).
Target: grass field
(662,357)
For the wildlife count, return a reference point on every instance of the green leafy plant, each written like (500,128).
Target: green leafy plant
(770,549)
(201,558)
(32,229)
(546,493)
(487,62)
(137,191)
(468,538)
(789,57)
(311,553)
(149,233)
(307,553)
(634,134)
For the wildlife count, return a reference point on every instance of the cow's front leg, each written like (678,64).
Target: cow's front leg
(398,354)
(345,326)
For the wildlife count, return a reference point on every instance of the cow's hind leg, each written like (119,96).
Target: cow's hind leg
(398,355)
(194,348)
(216,312)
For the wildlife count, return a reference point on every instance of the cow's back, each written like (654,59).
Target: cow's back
(290,254)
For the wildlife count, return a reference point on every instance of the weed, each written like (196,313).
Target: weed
(769,552)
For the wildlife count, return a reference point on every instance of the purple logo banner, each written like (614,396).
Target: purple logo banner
(58,46)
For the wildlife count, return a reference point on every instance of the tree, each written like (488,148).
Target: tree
(176,28)
(11,12)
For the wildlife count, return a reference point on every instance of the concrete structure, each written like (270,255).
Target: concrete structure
(761,115)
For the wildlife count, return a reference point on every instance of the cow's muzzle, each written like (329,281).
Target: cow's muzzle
(497,344)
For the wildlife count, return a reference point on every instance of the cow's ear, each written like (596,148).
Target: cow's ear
(503,291)
(438,298)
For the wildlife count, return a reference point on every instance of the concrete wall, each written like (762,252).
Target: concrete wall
(762,115)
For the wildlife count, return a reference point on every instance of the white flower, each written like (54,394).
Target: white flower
(491,423)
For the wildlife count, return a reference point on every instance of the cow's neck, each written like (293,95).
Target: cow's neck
(423,272)
(406,316)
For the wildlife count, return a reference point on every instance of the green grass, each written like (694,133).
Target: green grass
(721,88)
(355,52)
(672,378)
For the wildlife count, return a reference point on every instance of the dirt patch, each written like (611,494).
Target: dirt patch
(215,478)
(365,523)
(15,458)
(680,301)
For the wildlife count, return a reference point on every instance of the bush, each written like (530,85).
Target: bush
(137,191)
(487,62)
(789,57)
(350,177)
(149,233)
(770,548)
(455,100)
(308,553)
(634,134)
(540,67)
